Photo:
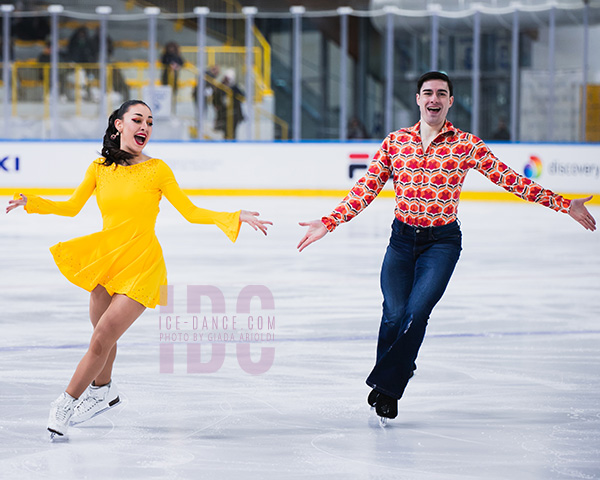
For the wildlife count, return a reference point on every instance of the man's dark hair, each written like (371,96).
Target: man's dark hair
(435,76)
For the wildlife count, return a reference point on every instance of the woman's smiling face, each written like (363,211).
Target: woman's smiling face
(135,128)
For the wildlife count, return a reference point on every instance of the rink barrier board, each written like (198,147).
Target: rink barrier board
(465,195)
(286,169)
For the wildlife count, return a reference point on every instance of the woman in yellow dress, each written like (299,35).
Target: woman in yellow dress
(122,265)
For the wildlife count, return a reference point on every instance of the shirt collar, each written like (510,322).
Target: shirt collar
(415,130)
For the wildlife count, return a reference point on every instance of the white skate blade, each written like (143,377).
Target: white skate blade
(383,421)
(111,405)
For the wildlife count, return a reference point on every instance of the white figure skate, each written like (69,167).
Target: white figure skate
(61,411)
(94,401)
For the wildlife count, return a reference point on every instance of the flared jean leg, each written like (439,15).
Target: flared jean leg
(415,273)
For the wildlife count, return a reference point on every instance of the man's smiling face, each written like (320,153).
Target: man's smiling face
(434,101)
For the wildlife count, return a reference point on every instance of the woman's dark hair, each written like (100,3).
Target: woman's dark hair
(111,145)
(435,76)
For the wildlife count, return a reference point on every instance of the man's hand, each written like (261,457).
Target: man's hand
(581,214)
(316,230)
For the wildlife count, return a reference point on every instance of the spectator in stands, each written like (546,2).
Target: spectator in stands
(81,48)
(119,85)
(30,28)
(206,88)
(45,57)
(221,98)
(172,63)
(356,130)
(377,130)
(95,41)
(212,73)
(502,132)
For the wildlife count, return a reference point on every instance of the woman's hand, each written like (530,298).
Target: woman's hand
(580,213)
(12,204)
(251,218)
(316,230)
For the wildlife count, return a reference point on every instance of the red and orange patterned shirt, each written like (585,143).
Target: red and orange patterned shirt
(428,184)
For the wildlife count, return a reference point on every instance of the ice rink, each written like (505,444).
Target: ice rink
(508,379)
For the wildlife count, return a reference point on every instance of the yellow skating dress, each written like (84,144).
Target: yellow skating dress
(125,257)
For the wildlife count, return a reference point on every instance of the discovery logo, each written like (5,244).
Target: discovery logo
(555,168)
(575,169)
(533,168)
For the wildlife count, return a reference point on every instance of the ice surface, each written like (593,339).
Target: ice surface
(508,379)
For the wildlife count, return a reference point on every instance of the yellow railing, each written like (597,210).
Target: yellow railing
(232,98)
(265,49)
(78,83)
(227,57)
(283,125)
(262,60)
(266,62)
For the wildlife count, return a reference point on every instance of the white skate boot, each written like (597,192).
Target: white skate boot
(94,401)
(61,411)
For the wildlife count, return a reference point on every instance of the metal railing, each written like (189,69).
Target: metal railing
(234,58)
(223,29)
(79,85)
(230,36)
(356,72)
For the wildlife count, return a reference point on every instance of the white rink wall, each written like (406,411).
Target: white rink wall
(284,169)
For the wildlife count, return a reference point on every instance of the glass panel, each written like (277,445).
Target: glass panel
(549,110)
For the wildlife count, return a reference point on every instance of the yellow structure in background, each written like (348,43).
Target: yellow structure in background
(31,83)
(261,59)
(592,121)
(78,83)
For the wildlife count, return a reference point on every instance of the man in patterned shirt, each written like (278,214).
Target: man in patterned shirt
(428,163)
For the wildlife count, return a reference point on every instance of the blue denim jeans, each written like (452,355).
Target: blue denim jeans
(416,269)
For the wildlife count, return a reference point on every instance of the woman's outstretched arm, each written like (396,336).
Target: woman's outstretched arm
(67,208)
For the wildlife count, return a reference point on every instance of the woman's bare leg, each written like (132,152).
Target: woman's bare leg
(113,323)
(99,303)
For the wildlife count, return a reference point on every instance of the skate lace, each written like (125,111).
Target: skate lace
(89,402)
(63,411)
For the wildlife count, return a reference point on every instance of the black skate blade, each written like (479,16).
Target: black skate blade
(56,436)
(114,402)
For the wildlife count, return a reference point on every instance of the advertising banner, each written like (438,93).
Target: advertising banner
(275,168)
